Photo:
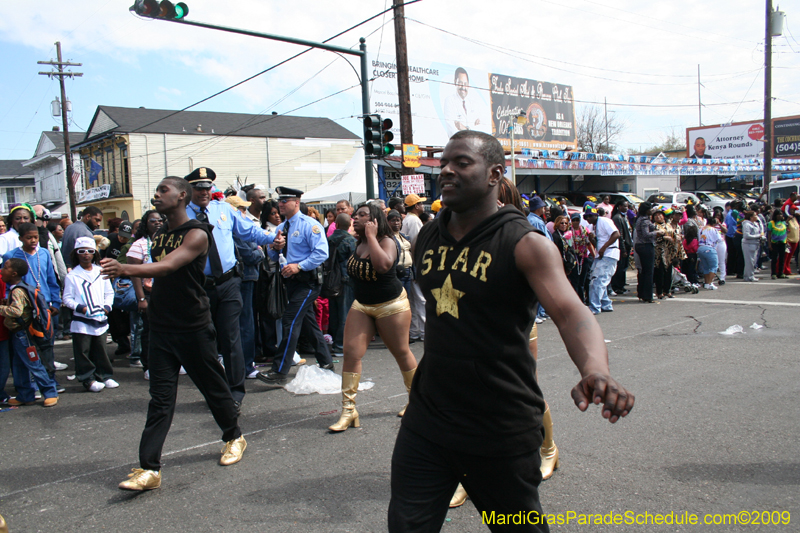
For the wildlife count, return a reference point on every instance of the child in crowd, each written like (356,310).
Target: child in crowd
(18,313)
(90,296)
(5,356)
(776,232)
(42,276)
(690,245)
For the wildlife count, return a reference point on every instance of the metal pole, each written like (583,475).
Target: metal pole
(513,160)
(767,101)
(605,105)
(365,110)
(699,102)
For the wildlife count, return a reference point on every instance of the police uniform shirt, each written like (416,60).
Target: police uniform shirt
(226,224)
(306,243)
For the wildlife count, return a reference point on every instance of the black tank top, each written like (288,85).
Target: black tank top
(178,301)
(475,388)
(369,286)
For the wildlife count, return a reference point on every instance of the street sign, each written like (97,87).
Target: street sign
(411,156)
(413,183)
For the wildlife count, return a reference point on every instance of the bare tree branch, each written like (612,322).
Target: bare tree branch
(591,129)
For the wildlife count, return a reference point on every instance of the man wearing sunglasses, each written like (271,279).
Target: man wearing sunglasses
(223,283)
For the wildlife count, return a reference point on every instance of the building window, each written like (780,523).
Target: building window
(11,197)
(126,182)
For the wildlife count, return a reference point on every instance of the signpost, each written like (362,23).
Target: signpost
(411,156)
(413,184)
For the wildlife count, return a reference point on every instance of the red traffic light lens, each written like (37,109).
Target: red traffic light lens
(387,124)
(145,8)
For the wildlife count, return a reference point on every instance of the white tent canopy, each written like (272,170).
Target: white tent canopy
(349,184)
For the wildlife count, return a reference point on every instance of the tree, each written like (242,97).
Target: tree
(591,129)
(671,142)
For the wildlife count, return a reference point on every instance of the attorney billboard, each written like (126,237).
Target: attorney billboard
(740,140)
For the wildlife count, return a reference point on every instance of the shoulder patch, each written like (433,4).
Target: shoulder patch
(316,229)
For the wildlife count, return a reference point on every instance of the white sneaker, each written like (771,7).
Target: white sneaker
(252,375)
(59,366)
(147,375)
(539,320)
(111,384)
(182,372)
(37,395)
(96,386)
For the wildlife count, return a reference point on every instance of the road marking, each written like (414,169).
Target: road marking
(714,301)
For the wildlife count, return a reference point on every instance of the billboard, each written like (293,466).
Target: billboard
(786,132)
(740,140)
(448,98)
(548,108)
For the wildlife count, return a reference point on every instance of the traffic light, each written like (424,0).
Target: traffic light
(372,137)
(160,10)
(387,148)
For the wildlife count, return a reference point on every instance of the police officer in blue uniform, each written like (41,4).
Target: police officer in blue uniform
(223,282)
(306,249)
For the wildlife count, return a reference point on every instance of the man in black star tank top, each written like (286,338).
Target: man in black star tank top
(475,409)
(181,332)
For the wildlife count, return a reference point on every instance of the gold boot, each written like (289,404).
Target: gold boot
(349,414)
(548,452)
(408,377)
(459,497)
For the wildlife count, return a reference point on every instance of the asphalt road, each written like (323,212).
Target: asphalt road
(714,431)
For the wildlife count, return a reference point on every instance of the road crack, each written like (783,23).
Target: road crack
(698,323)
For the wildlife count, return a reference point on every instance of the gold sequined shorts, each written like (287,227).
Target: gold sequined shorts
(382,310)
(534,334)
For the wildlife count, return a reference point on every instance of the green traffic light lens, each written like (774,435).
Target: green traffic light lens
(388,149)
(181,10)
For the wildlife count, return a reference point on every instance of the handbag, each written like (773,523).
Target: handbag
(277,299)
(125,295)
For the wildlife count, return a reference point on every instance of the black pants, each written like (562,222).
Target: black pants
(647,259)
(197,353)
(777,256)
(620,276)
(585,278)
(119,327)
(226,306)
(735,264)
(690,267)
(91,359)
(299,314)
(425,475)
(663,278)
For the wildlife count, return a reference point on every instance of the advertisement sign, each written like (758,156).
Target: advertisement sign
(786,132)
(95,193)
(548,109)
(740,140)
(414,184)
(411,155)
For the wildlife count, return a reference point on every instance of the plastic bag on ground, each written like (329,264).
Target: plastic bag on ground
(756,326)
(736,328)
(311,378)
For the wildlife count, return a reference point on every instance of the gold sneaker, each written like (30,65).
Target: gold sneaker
(142,479)
(233,451)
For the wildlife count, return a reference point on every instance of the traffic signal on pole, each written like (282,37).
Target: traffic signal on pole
(372,137)
(160,10)
(387,148)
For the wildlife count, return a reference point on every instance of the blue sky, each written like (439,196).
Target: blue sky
(630,52)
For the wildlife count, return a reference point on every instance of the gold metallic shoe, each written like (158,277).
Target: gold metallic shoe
(408,377)
(349,414)
(3,525)
(233,451)
(459,497)
(548,452)
(142,479)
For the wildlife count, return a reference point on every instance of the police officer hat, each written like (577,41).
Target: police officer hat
(202,178)
(285,193)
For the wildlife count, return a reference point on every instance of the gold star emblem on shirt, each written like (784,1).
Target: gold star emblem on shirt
(447,298)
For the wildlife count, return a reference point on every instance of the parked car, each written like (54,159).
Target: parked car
(615,197)
(747,196)
(712,199)
(681,198)
(562,202)
(578,198)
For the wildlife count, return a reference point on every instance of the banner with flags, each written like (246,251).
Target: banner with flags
(94,171)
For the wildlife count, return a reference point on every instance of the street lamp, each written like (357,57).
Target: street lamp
(520,119)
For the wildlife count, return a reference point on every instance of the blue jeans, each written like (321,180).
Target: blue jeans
(339,307)
(247,326)
(24,368)
(602,271)
(709,262)
(5,369)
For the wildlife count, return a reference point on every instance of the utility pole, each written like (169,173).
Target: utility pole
(60,74)
(605,106)
(699,102)
(403,91)
(767,101)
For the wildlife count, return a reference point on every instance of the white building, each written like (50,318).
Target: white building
(16,184)
(137,147)
(49,169)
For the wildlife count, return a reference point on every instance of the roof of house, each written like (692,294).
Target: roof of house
(109,119)
(13,174)
(57,138)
